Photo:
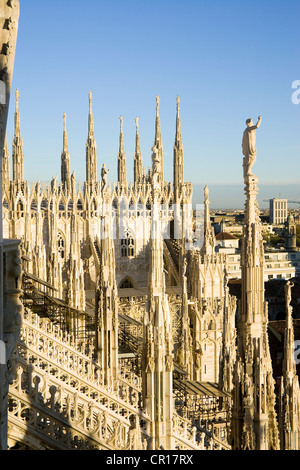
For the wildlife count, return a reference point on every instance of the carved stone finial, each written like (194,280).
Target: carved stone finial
(206,193)
(17,93)
(157,103)
(137,122)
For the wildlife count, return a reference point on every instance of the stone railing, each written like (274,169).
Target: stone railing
(45,346)
(190,435)
(62,418)
(59,394)
(184,435)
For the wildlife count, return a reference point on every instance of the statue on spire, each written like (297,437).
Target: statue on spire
(17,96)
(288,294)
(157,104)
(104,172)
(248,146)
(206,193)
(155,165)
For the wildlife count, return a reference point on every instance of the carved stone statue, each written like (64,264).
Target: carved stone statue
(206,193)
(155,164)
(248,146)
(104,172)
(73,182)
(288,294)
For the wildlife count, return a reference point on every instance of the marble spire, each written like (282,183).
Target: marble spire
(178,158)
(91,148)
(65,159)
(122,170)
(158,141)
(138,160)
(254,390)
(18,155)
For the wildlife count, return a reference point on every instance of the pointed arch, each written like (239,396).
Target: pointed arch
(61,244)
(126,283)
(44,205)
(93,205)
(79,205)
(33,205)
(127,245)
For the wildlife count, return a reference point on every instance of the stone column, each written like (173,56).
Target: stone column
(9,16)
(13,309)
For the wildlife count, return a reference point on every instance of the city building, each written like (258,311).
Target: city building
(278,211)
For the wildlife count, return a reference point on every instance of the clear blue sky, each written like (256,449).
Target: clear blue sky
(227,60)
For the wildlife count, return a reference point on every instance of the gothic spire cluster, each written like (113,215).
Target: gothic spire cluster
(126,255)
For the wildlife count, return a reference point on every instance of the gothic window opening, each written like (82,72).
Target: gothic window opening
(33,206)
(44,205)
(61,245)
(20,207)
(126,284)
(93,205)
(127,245)
(61,206)
(79,205)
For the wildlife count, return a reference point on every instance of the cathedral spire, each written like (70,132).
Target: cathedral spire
(106,320)
(157,123)
(289,367)
(91,148)
(18,156)
(91,118)
(122,172)
(178,139)
(157,363)
(253,375)
(289,393)
(178,157)
(5,166)
(158,141)
(65,159)
(138,161)
(209,235)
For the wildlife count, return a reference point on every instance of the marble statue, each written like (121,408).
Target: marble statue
(104,172)
(248,146)
(288,293)
(155,164)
